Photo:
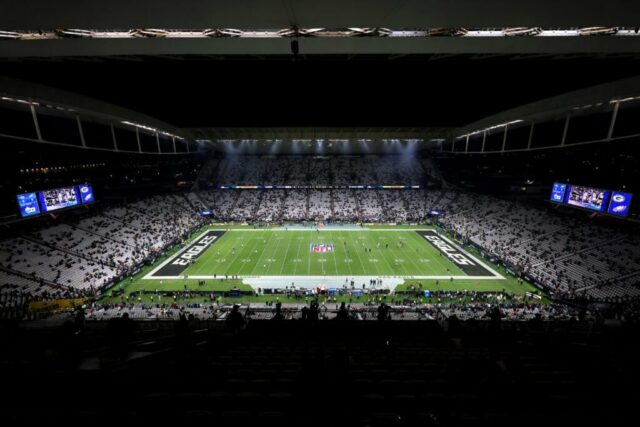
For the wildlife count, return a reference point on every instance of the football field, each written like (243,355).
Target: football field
(337,254)
(218,259)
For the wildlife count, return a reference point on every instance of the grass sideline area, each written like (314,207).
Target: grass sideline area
(131,286)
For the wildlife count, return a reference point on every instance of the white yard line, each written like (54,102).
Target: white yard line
(309,256)
(260,256)
(369,256)
(241,252)
(341,276)
(345,257)
(335,248)
(381,255)
(355,251)
(496,275)
(284,259)
(295,269)
(324,231)
(420,238)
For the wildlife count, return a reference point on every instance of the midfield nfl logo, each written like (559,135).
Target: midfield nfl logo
(321,247)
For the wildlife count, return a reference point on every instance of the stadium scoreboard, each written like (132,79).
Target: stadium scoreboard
(557,193)
(620,203)
(58,198)
(36,203)
(594,199)
(600,200)
(28,204)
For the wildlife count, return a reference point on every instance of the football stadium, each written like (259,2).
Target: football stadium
(370,213)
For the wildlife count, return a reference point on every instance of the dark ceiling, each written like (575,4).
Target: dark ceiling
(362,82)
(42,14)
(326,91)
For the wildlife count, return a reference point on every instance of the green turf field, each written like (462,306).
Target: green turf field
(284,255)
(355,253)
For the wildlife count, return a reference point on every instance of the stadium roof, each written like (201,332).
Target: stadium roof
(352,27)
(320,140)
(415,63)
(311,13)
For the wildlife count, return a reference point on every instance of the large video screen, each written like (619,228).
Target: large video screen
(59,198)
(620,203)
(611,202)
(586,197)
(86,193)
(28,204)
(557,192)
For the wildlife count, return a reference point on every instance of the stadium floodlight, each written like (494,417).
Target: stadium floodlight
(210,32)
(149,32)
(484,33)
(150,129)
(294,32)
(310,32)
(358,32)
(224,32)
(230,32)
(597,31)
(447,32)
(9,35)
(503,124)
(628,31)
(629,98)
(20,101)
(490,128)
(184,34)
(74,33)
(331,33)
(317,32)
(340,32)
(522,31)
(559,33)
(288,32)
(113,34)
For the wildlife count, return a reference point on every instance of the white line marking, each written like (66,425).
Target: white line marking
(331,230)
(176,255)
(496,275)
(333,277)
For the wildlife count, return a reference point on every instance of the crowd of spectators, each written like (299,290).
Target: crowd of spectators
(74,259)
(570,256)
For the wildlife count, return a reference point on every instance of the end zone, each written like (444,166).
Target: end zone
(466,262)
(180,261)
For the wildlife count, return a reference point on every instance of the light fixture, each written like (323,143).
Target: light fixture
(149,32)
(522,31)
(230,32)
(75,33)
(44,34)
(597,31)
(10,35)
(447,32)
